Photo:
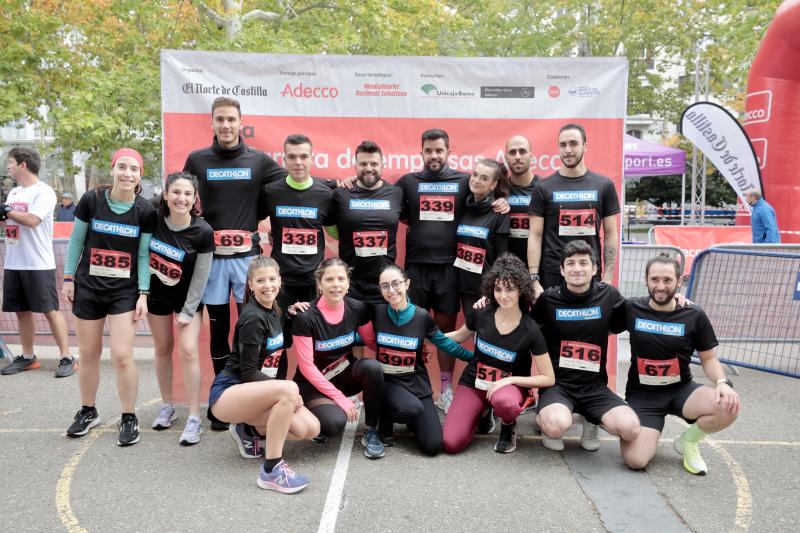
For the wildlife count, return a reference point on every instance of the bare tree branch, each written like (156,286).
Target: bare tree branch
(258,14)
(213,15)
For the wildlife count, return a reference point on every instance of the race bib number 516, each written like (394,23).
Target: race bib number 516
(580,356)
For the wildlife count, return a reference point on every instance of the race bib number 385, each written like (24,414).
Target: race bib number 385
(232,241)
(299,241)
(577,222)
(109,263)
(580,356)
(370,243)
(434,207)
(658,372)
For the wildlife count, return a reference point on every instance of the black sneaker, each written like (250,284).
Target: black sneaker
(216,424)
(507,442)
(486,423)
(128,430)
(320,439)
(20,364)
(85,419)
(66,367)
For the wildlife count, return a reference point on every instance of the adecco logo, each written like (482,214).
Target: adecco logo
(305,91)
(760,148)
(759,107)
(553,91)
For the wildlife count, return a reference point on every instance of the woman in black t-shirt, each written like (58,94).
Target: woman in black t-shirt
(180,261)
(500,370)
(251,392)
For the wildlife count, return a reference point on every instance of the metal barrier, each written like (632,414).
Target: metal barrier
(8,321)
(753,301)
(633,259)
(751,247)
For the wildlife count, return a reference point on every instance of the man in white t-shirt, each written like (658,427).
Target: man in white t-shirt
(29,276)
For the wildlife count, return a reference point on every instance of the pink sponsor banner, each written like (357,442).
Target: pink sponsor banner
(694,239)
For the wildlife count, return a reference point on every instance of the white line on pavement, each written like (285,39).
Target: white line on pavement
(327,522)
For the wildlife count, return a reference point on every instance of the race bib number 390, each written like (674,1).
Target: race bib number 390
(485,375)
(658,372)
(299,241)
(12,234)
(395,361)
(109,263)
(580,356)
(520,225)
(232,241)
(470,258)
(440,208)
(167,272)
(370,243)
(573,222)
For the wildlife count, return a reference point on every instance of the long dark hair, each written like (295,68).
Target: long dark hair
(172,178)
(510,270)
(502,189)
(261,261)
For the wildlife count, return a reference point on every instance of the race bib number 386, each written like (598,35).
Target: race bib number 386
(109,263)
(658,372)
(232,241)
(577,222)
(167,272)
(434,207)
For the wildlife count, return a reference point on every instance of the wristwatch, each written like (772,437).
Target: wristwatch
(144,293)
(534,277)
(726,381)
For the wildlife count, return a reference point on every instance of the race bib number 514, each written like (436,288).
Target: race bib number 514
(577,222)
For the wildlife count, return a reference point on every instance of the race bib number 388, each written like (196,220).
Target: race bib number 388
(435,207)
(470,258)
(658,372)
(109,263)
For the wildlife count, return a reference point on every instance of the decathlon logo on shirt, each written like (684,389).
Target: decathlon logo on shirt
(575,196)
(382,205)
(659,328)
(438,187)
(519,200)
(588,313)
(112,228)
(408,343)
(472,231)
(222,174)
(165,249)
(292,211)
(495,351)
(273,343)
(333,344)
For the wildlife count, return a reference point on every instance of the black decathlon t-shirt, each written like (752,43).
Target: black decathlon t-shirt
(475,243)
(296,220)
(572,208)
(109,260)
(497,356)
(519,200)
(230,182)
(576,327)
(436,201)
(400,349)
(258,326)
(332,343)
(172,258)
(662,343)
(367,221)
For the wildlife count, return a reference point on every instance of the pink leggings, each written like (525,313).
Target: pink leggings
(465,411)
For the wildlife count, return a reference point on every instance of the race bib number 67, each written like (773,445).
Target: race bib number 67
(658,372)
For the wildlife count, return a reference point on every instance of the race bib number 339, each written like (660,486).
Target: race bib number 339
(658,372)
(109,263)
(434,207)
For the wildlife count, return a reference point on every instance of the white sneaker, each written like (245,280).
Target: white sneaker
(557,445)
(166,416)
(590,438)
(445,399)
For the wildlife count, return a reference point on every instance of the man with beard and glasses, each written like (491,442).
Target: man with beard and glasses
(663,337)
(435,199)
(367,217)
(573,203)
(523,180)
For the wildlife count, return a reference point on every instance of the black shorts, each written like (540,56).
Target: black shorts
(434,287)
(591,402)
(159,307)
(365,291)
(91,305)
(653,406)
(296,293)
(29,290)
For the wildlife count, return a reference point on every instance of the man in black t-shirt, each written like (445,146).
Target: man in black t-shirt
(298,207)
(573,203)
(230,177)
(576,319)
(518,160)
(663,338)
(366,218)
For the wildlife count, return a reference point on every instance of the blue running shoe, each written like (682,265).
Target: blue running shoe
(248,444)
(373,447)
(282,479)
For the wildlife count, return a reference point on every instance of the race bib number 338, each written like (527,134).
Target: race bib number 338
(299,241)
(109,263)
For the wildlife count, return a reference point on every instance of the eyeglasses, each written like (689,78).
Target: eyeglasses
(396,284)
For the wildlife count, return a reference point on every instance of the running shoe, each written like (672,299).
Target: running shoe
(371,441)
(282,479)
(66,367)
(248,444)
(507,442)
(486,423)
(445,399)
(191,432)
(166,415)
(692,461)
(21,364)
(128,430)
(590,438)
(320,439)
(85,419)
(216,425)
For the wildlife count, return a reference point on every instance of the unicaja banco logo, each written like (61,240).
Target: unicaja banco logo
(428,88)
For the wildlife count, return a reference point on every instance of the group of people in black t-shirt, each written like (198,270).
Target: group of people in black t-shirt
(469,236)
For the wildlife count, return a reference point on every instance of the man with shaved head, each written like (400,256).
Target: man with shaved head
(518,160)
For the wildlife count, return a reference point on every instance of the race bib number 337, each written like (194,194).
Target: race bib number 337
(370,243)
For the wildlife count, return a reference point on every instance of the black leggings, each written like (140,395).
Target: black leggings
(219,318)
(364,375)
(419,414)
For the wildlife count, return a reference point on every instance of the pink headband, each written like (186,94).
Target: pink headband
(128,152)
